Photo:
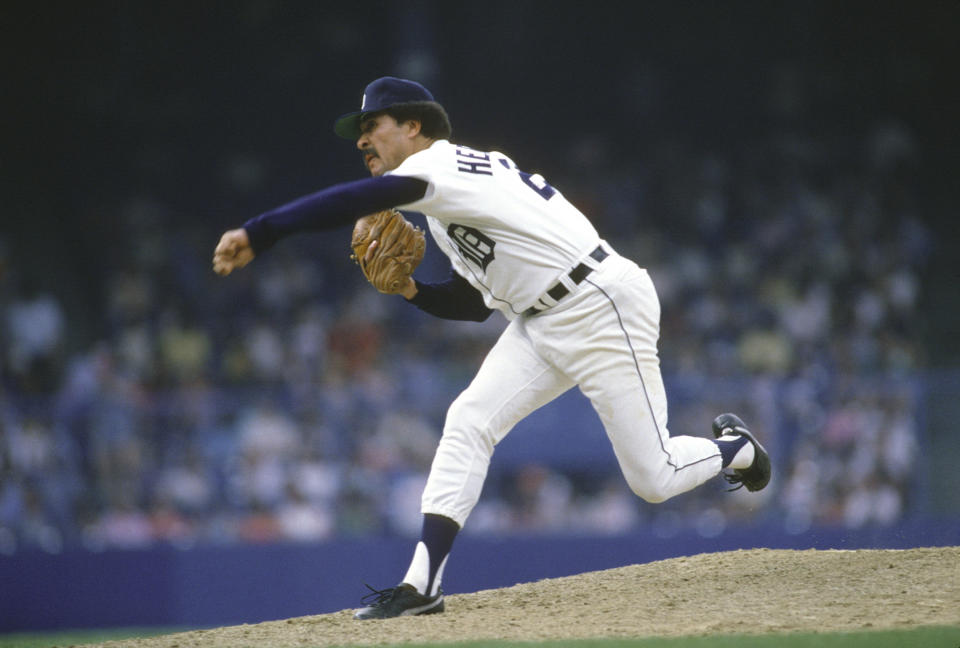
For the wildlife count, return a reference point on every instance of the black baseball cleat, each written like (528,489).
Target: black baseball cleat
(402,600)
(757,476)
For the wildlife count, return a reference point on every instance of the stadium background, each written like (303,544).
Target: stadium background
(176,448)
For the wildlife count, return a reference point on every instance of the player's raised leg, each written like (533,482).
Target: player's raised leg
(616,322)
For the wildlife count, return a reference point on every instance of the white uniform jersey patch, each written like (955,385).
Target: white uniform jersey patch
(509,233)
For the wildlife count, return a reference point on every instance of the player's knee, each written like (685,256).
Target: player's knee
(655,497)
(647,488)
(651,495)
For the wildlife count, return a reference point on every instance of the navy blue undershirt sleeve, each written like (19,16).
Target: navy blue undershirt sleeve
(453,299)
(339,205)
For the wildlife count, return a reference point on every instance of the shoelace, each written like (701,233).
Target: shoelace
(378,597)
(732,478)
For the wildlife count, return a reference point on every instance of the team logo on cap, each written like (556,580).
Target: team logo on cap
(363,102)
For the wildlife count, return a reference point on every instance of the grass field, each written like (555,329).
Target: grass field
(931,637)
(76,637)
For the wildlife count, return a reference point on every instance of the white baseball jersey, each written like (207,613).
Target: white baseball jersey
(509,233)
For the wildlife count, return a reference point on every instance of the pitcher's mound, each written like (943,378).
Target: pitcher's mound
(754,592)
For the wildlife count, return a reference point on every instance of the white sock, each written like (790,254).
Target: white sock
(745,455)
(418,573)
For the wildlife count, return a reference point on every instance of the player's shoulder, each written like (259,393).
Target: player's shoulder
(468,158)
(446,158)
(431,156)
(448,148)
(438,148)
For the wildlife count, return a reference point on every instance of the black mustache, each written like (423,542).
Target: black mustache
(368,151)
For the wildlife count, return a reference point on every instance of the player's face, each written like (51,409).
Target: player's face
(384,143)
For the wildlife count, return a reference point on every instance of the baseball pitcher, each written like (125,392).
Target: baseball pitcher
(579,314)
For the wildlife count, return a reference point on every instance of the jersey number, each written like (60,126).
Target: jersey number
(538,184)
(533,180)
(473,244)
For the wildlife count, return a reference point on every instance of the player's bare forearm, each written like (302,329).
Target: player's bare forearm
(232,252)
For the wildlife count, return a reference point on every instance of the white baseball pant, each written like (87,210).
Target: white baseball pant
(601,337)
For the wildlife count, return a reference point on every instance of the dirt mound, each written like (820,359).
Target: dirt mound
(756,591)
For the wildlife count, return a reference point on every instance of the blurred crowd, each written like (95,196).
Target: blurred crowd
(290,401)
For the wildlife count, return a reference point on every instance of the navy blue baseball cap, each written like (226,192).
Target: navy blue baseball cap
(380,95)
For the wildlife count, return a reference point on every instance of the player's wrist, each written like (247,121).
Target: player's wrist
(410,290)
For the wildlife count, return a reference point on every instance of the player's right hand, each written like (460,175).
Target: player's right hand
(232,252)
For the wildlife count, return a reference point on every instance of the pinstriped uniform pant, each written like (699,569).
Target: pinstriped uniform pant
(602,338)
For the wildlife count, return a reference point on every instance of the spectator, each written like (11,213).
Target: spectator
(35,326)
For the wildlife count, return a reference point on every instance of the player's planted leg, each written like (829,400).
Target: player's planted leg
(742,453)
(503,392)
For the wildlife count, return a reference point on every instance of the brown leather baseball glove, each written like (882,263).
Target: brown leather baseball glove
(399,250)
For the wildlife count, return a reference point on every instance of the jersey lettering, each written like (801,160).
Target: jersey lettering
(473,244)
(470,161)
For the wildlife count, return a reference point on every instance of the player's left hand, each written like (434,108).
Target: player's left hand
(408,290)
(388,248)
(232,252)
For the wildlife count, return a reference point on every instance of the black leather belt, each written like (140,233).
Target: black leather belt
(578,274)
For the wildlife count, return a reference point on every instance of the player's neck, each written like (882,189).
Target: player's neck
(422,143)
(419,143)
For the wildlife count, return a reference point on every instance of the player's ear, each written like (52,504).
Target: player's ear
(415,126)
